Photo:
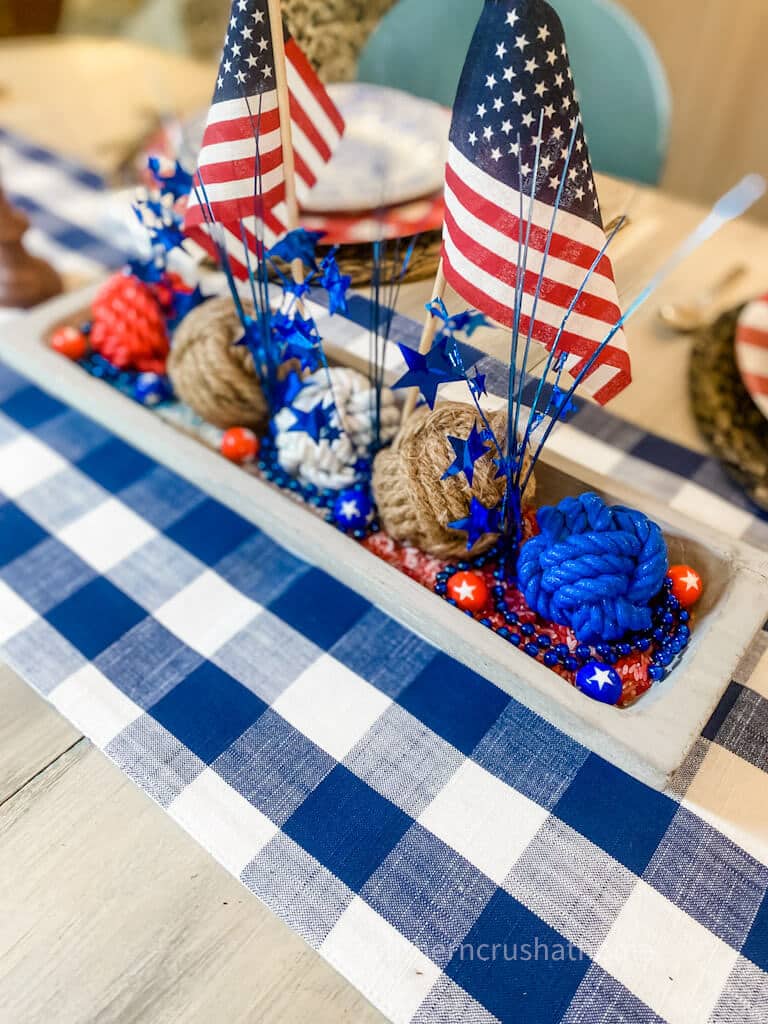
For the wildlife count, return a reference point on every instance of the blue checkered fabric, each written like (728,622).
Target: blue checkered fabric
(452,854)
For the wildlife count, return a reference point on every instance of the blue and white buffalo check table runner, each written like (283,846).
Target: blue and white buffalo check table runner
(453,855)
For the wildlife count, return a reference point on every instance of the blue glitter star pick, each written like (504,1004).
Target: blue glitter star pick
(477,385)
(479,523)
(177,183)
(298,245)
(336,284)
(428,372)
(467,454)
(184,302)
(311,423)
(287,389)
(299,339)
(469,321)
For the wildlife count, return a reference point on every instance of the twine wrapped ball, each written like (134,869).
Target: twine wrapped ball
(415,504)
(594,568)
(331,464)
(213,375)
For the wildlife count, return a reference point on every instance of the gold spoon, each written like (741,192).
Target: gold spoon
(687,317)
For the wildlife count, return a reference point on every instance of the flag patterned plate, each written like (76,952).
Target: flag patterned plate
(752,351)
(400,221)
(393,150)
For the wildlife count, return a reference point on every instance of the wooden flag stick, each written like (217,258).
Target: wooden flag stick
(427,338)
(286,135)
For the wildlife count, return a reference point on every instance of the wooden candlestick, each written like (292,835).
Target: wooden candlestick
(25,280)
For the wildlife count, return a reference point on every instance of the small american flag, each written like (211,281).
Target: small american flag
(516,69)
(242,140)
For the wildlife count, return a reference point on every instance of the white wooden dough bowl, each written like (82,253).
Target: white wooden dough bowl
(650,740)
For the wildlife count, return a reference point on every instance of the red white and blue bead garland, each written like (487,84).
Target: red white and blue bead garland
(667,638)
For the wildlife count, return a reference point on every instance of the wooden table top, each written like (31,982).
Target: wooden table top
(111,912)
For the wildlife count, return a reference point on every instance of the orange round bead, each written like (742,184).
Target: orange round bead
(239,445)
(469,591)
(70,342)
(687,584)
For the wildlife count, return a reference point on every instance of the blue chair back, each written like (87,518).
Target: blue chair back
(622,86)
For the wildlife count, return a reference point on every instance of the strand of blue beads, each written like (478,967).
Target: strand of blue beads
(668,637)
(317,497)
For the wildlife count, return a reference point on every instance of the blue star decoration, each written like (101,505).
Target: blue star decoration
(298,338)
(428,372)
(562,405)
(298,245)
(287,389)
(184,302)
(312,423)
(467,453)
(479,523)
(469,321)
(477,385)
(177,183)
(336,284)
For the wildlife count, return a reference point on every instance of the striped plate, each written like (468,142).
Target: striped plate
(752,351)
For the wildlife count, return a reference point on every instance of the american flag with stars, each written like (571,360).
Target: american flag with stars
(240,180)
(517,77)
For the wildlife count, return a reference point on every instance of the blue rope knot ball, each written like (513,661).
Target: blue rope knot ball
(594,568)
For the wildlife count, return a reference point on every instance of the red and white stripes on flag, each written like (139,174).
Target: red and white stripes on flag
(242,155)
(480,257)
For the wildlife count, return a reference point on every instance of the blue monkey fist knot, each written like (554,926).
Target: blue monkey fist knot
(593,568)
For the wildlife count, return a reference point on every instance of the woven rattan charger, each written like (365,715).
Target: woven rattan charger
(726,415)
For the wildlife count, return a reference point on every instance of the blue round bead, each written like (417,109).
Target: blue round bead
(352,509)
(583,651)
(642,643)
(550,659)
(485,622)
(528,629)
(563,650)
(571,663)
(151,389)
(515,639)
(532,650)
(623,650)
(603,651)
(600,682)
(441,588)
(659,635)
(504,633)
(684,616)
(656,673)
(544,642)
(511,618)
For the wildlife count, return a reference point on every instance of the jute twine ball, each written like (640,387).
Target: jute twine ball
(213,375)
(415,504)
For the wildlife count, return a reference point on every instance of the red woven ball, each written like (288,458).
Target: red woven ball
(128,327)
